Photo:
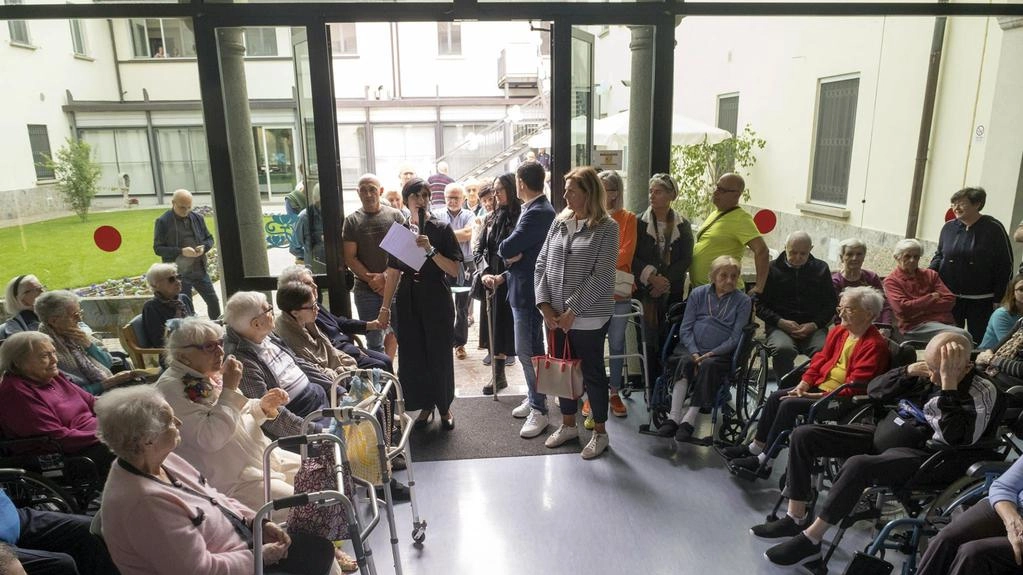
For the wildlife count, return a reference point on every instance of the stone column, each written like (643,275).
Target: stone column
(1002,173)
(242,148)
(640,114)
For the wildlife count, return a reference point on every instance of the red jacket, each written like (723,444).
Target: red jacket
(869,358)
(910,298)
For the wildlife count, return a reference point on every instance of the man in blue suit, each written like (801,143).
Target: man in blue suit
(520,250)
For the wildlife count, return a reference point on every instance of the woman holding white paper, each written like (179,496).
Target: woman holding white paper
(424,313)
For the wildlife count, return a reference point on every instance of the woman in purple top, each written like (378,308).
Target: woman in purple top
(39,401)
(851,253)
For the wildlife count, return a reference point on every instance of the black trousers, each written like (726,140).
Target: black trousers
(60,544)
(588,346)
(369,359)
(780,414)
(862,468)
(707,379)
(974,314)
(973,544)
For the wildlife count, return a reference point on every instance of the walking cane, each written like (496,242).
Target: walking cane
(490,334)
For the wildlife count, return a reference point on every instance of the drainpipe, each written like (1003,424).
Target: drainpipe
(926,123)
(154,152)
(117,61)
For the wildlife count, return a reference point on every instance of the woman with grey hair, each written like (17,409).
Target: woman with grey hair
(851,253)
(711,329)
(80,355)
(855,352)
(664,251)
(19,299)
(159,514)
(921,301)
(296,325)
(38,400)
(219,426)
(168,303)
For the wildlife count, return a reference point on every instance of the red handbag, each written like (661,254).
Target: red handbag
(560,377)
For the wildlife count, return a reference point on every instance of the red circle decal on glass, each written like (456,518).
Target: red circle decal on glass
(107,238)
(765,221)
(950,215)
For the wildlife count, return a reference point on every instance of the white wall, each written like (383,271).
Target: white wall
(34,82)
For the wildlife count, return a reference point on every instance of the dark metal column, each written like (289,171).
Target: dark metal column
(325,126)
(561,110)
(663,102)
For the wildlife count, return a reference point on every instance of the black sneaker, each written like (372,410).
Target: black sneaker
(736,451)
(784,527)
(398,463)
(684,433)
(794,551)
(667,429)
(510,360)
(750,463)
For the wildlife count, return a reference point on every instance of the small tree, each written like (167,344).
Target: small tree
(76,175)
(697,168)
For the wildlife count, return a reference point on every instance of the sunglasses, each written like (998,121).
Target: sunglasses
(208,347)
(173,279)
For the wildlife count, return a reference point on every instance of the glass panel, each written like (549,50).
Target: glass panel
(582,96)
(829,121)
(39,139)
(354,160)
(398,146)
(183,159)
(260,42)
(344,39)
(78,38)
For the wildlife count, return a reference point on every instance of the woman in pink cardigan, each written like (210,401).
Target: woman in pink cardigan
(159,515)
(920,300)
(39,401)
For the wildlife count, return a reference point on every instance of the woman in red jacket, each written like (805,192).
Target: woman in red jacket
(855,352)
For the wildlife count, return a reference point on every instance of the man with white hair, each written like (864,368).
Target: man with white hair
(461,221)
(797,303)
(180,236)
(269,364)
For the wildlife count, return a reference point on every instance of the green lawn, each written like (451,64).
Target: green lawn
(62,253)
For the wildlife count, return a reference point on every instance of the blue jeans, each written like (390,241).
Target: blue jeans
(616,340)
(367,303)
(529,342)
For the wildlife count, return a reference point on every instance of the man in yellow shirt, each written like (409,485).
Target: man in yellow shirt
(727,232)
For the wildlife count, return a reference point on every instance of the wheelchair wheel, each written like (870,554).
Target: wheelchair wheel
(732,427)
(37,492)
(754,383)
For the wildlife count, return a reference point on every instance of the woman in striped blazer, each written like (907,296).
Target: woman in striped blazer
(574,281)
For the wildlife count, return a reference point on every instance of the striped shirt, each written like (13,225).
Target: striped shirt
(576,269)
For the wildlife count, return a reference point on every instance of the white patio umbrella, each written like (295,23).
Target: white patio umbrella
(613,131)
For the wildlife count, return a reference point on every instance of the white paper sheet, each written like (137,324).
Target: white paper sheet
(400,242)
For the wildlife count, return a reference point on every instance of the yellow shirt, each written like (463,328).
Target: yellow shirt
(727,236)
(836,376)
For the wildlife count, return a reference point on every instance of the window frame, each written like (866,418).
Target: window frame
(21,25)
(448,35)
(339,40)
(79,40)
(43,174)
(262,31)
(816,151)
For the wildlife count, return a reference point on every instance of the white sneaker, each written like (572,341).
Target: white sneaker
(535,424)
(562,435)
(522,410)
(598,443)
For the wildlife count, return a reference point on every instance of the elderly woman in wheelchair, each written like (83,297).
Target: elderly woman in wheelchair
(855,352)
(40,402)
(959,409)
(711,328)
(160,516)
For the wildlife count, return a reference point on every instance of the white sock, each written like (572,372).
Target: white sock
(761,457)
(798,520)
(678,399)
(755,449)
(813,540)
(691,414)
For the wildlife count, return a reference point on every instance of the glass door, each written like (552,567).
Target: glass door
(582,97)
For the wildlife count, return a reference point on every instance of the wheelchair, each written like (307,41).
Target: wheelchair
(28,489)
(832,407)
(934,491)
(41,462)
(739,396)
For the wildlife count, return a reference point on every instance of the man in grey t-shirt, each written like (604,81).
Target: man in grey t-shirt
(362,233)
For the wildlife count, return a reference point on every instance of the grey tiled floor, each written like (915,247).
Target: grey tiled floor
(647,506)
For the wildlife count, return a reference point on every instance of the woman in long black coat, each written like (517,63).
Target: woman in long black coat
(496,228)
(424,313)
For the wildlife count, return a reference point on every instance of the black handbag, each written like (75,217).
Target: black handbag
(477,290)
(863,564)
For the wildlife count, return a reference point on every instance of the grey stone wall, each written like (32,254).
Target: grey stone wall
(30,202)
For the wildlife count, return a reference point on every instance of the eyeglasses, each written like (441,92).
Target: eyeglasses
(39,289)
(77,315)
(173,279)
(208,347)
(309,307)
(846,310)
(266,310)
